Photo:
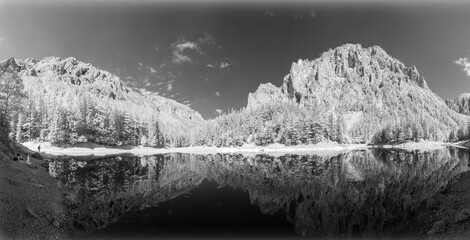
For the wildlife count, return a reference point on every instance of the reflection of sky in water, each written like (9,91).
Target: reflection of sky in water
(360,192)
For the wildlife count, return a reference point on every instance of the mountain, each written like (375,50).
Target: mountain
(348,94)
(70,101)
(369,83)
(460,104)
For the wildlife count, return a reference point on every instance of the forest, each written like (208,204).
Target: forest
(291,124)
(34,109)
(63,111)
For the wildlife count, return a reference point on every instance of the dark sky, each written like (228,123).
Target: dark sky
(210,56)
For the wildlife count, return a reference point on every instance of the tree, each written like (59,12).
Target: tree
(340,129)
(452,136)
(388,134)
(11,94)
(19,126)
(333,127)
(408,133)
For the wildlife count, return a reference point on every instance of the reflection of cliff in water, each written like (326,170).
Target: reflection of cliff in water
(98,192)
(355,193)
(360,192)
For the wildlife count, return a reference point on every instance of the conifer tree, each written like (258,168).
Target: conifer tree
(11,94)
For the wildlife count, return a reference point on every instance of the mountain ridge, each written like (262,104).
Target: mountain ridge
(350,94)
(76,72)
(461,104)
(371,96)
(84,96)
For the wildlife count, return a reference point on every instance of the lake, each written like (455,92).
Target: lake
(365,193)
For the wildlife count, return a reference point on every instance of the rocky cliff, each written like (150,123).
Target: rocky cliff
(69,99)
(460,104)
(368,87)
(349,94)
(102,83)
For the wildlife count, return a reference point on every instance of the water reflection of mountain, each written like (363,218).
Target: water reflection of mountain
(360,192)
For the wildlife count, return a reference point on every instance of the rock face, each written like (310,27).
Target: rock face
(76,102)
(346,72)
(101,83)
(460,104)
(174,109)
(363,69)
(265,93)
(368,82)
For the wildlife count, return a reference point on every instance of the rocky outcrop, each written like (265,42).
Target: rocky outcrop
(347,65)
(364,81)
(174,109)
(9,65)
(460,104)
(265,93)
(346,72)
(100,82)
(98,106)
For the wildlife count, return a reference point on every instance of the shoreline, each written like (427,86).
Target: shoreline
(88,149)
(448,214)
(31,200)
(40,197)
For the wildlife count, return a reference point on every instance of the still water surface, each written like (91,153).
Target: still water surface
(366,193)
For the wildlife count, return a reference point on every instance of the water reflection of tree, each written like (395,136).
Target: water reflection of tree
(323,197)
(99,191)
(361,192)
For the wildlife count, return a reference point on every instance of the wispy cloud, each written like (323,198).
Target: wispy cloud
(187,103)
(187,45)
(184,50)
(180,50)
(221,65)
(179,47)
(142,67)
(269,13)
(219,111)
(465,63)
(297,14)
(179,58)
(163,65)
(207,39)
(156,48)
(3,42)
(151,69)
(224,65)
(310,14)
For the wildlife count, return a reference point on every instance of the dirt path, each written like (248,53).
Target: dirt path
(30,201)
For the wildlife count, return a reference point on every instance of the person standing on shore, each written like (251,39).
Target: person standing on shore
(28,161)
(39,148)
